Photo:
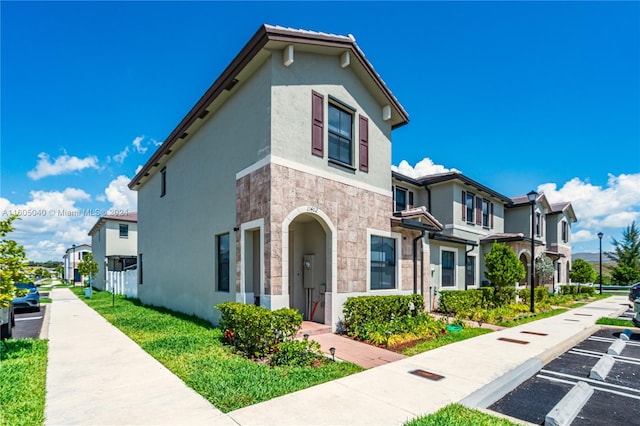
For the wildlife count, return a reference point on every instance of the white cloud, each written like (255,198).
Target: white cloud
(119,158)
(606,209)
(64,164)
(137,144)
(155,142)
(120,196)
(422,168)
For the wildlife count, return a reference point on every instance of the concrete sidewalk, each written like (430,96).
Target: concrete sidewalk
(476,372)
(98,376)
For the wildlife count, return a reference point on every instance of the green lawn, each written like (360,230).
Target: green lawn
(530,318)
(23,370)
(615,321)
(193,350)
(445,339)
(458,415)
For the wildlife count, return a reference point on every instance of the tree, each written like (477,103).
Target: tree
(627,256)
(59,271)
(503,266)
(12,262)
(88,266)
(544,269)
(582,272)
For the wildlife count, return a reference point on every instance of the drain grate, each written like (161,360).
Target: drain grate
(584,315)
(569,319)
(427,375)
(520,342)
(534,333)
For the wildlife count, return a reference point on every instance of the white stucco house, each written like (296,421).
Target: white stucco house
(275,188)
(114,240)
(72,256)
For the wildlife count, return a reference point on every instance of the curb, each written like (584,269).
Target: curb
(552,353)
(488,394)
(44,330)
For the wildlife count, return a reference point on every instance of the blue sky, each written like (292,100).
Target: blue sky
(515,95)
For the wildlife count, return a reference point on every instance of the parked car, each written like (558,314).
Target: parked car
(634,292)
(31,300)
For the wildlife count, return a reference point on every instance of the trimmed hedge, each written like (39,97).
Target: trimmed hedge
(541,294)
(255,330)
(454,301)
(576,290)
(363,311)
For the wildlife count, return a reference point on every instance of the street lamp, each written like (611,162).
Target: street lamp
(73,266)
(600,235)
(532,196)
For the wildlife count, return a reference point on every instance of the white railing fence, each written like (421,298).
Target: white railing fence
(123,282)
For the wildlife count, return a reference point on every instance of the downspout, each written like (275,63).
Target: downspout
(466,253)
(415,261)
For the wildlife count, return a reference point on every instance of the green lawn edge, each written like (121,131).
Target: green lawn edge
(23,372)
(458,415)
(193,350)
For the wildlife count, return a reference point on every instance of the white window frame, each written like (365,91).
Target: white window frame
(398,238)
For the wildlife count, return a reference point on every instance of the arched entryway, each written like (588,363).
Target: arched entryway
(308,259)
(525,262)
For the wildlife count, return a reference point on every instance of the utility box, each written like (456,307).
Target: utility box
(308,268)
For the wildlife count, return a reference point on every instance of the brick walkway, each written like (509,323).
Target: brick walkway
(366,356)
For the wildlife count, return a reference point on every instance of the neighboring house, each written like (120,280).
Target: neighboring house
(72,256)
(468,211)
(473,217)
(552,233)
(114,240)
(275,188)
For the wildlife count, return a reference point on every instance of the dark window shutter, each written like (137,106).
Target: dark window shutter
(317,124)
(464,206)
(410,199)
(364,144)
(491,212)
(478,211)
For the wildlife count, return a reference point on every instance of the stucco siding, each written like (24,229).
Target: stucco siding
(291,116)
(177,232)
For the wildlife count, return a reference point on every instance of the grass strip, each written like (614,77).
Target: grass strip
(530,318)
(23,371)
(458,415)
(616,322)
(193,350)
(445,339)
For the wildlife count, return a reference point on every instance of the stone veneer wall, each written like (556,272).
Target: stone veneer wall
(351,210)
(253,197)
(274,191)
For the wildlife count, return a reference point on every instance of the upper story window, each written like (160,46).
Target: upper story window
(469,204)
(538,225)
(163,182)
(565,232)
(340,135)
(486,213)
(124,231)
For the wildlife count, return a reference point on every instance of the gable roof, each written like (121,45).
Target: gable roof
(523,200)
(243,66)
(77,248)
(128,217)
(449,176)
(565,208)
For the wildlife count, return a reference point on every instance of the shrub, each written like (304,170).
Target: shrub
(575,290)
(255,330)
(455,301)
(298,353)
(541,294)
(365,314)
(504,296)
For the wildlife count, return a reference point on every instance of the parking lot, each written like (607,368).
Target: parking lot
(29,323)
(616,400)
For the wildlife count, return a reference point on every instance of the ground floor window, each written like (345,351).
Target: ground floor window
(470,271)
(222,262)
(448,269)
(383,263)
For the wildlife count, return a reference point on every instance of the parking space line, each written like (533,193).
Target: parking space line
(620,358)
(28,319)
(554,379)
(598,382)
